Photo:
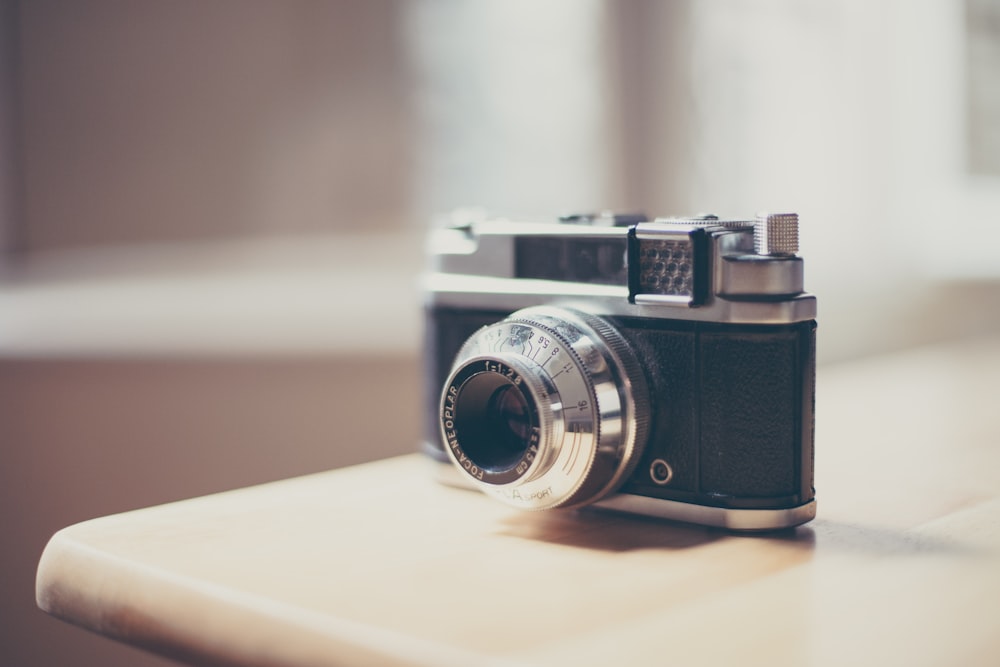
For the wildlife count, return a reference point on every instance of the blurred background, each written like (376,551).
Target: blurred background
(212,213)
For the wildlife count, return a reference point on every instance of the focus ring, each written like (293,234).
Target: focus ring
(637,388)
(629,380)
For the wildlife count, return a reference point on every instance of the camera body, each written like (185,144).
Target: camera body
(662,368)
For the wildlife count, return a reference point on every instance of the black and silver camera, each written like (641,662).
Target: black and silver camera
(663,368)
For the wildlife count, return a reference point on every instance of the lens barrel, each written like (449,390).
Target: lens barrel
(548,408)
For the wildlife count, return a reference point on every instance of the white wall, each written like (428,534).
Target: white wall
(187,120)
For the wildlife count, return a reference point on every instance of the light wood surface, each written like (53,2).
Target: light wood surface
(378,564)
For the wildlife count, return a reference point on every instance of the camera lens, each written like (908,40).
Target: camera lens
(548,408)
(492,419)
(508,411)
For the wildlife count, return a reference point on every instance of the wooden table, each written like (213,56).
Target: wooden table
(378,564)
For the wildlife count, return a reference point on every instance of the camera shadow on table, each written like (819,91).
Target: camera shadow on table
(610,531)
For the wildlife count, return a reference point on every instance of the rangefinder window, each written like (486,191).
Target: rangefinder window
(596,261)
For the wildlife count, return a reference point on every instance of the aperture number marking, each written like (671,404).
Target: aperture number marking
(565,368)
(502,369)
(546,349)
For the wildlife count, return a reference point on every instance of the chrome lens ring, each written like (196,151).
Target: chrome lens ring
(588,414)
(497,418)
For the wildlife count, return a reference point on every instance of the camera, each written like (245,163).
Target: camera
(658,367)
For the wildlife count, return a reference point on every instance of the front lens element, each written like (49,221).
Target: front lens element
(508,412)
(493,422)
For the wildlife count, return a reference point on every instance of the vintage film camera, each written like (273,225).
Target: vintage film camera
(662,368)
